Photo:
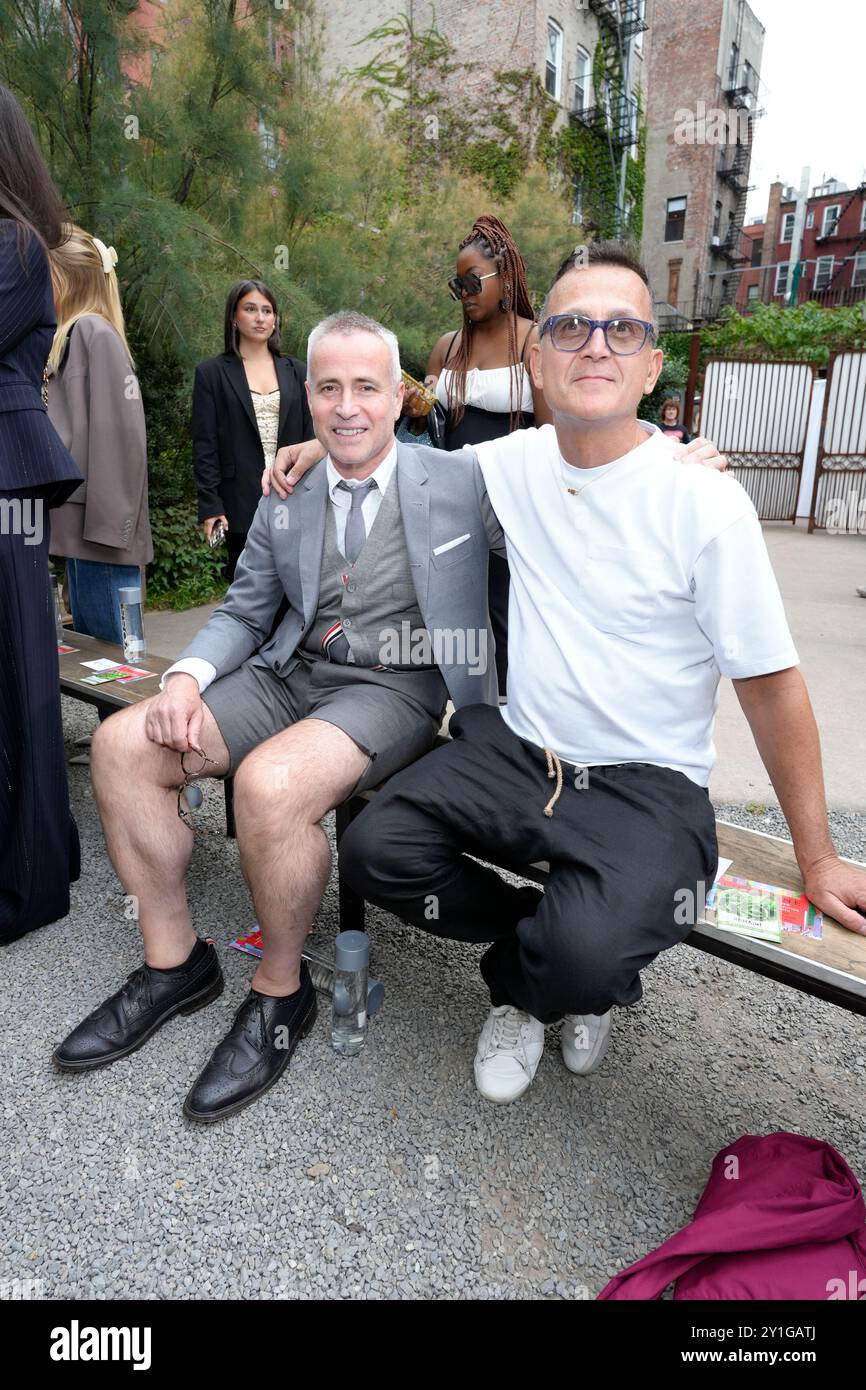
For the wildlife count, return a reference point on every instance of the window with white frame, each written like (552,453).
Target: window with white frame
(823,272)
(782,278)
(606,103)
(633,121)
(582,81)
(268,143)
(752,292)
(830,223)
(675,219)
(577,206)
(858,279)
(788,226)
(553,62)
(641,14)
(863,216)
(810,219)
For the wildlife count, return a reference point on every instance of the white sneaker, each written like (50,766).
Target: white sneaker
(585,1039)
(509,1051)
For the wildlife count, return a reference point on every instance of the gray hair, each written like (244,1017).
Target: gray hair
(348,321)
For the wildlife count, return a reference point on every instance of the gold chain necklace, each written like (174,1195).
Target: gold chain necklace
(576,491)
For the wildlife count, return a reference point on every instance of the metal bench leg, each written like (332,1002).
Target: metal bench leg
(351,904)
(229,792)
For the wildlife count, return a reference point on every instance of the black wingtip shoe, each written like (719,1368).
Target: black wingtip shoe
(254,1054)
(149,999)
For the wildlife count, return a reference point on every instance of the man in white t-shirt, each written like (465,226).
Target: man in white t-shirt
(636,584)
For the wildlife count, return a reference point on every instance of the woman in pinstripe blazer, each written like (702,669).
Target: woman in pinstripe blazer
(38,839)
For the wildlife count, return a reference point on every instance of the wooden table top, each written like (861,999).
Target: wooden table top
(111,694)
(771,860)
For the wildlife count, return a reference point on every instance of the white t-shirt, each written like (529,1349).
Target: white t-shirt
(629,598)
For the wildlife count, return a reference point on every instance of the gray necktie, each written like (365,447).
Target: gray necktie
(356,532)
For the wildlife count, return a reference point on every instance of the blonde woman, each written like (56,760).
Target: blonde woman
(94,403)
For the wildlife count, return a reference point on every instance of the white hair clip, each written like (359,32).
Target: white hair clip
(108,254)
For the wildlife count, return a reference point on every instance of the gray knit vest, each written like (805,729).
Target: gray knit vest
(378,595)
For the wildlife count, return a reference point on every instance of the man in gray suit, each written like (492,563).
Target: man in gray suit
(382,558)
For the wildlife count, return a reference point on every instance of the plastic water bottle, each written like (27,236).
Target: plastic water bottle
(349,1016)
(321,967)
(58,609)
(132,624)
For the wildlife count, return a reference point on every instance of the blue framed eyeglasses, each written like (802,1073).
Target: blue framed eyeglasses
(571,332)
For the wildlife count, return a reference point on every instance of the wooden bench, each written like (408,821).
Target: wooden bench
(833,968)
(113,695)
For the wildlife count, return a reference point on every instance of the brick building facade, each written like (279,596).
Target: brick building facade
(704,59)
(832,251)
(557,39)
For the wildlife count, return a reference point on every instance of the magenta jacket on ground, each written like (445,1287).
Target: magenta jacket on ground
(782,1217)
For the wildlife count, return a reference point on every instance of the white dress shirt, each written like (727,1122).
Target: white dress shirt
(204,672)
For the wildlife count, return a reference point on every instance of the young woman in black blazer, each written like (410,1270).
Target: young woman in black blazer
(39,852)
(246,404)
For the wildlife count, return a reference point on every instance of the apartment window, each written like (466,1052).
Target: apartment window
(788,226)
(749,77)
(757,250)
(810,219)
(632,121)
(823,272)
(553,64)
(782,278)
(577,208)
(858,279)
(735,64)
(863,216)
(717,219)
(674,281)
(606,101)
(641,14)
(582,80)
(269,144)
(831,219)
(675,220)
(752,292)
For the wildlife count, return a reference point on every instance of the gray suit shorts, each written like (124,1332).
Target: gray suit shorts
(393,718)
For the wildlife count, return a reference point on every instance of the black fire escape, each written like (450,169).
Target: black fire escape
(622,16)
(610,109)
(839,271)
(741,92)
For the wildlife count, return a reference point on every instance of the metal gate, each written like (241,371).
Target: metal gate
(757,412)
(839,494)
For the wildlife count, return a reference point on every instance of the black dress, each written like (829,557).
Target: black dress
(476,427)
(39,852)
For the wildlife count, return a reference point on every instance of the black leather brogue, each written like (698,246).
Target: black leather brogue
(149,998)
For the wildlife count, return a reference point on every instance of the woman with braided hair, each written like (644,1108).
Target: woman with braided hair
(480,373)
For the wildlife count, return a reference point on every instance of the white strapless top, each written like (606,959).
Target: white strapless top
(266,405)
(489,389)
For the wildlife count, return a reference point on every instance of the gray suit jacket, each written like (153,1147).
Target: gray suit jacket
(442,499)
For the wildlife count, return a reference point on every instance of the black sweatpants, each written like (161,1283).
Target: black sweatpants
(621,852)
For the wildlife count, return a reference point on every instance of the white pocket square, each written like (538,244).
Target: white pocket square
(449,545)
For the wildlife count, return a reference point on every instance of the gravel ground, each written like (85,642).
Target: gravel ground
(384,1176)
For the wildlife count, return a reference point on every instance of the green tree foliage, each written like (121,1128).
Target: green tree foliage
(673,377)
(202,159)
(808,332)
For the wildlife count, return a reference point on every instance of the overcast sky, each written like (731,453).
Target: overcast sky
(813,84)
